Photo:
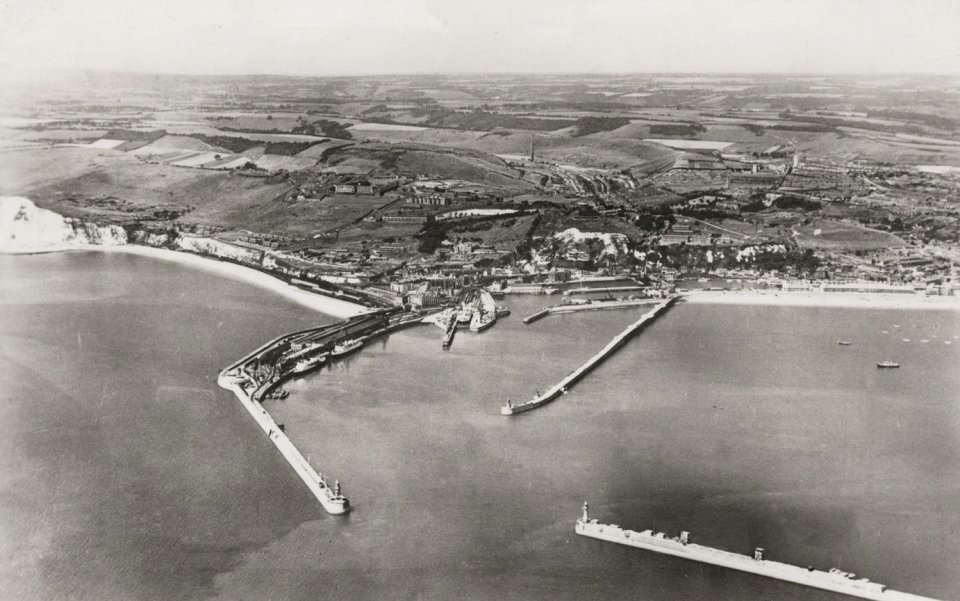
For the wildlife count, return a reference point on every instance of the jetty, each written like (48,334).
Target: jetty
(586,290)
(589,305)
(833,579)
(573,377)
(538,315)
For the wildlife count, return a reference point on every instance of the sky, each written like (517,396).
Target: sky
(361,37)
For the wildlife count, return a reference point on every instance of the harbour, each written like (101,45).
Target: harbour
(801,460)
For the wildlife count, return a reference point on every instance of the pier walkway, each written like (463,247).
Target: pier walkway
(573,377)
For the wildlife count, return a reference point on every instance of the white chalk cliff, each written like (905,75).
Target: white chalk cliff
(24,227)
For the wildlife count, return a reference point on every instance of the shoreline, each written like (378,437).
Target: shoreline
(851,300)
(324,304)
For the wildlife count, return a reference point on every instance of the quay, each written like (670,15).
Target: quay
(573,377)
(585,290)
(597,305)
(834,580)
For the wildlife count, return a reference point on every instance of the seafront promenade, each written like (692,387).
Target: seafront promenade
(573,377)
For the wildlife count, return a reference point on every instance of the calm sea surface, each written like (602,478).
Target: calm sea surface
(126,473)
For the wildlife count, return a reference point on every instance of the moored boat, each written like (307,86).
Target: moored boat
(309,363)
(346,347)
(887,364)
(482,320)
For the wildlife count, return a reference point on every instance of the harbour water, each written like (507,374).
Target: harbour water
(126,472)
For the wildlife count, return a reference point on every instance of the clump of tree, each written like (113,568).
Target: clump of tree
(656,219)
(131,135)
(430,237)
(237,144)
(592,125)
(925,118)
(676,129)
(797,203)
(706,213)
(324,127)
(483,120)
(803,261)
(288,148)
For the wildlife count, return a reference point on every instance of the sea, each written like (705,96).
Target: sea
(126,473)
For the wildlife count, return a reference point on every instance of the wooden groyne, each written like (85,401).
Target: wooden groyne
(573,377)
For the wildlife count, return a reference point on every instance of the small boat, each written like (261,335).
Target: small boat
(844,342)
(888,364)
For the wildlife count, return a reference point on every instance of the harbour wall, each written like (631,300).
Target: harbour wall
(842,583)
(573,377)
(317,486)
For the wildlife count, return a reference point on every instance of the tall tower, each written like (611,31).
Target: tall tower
(533,147)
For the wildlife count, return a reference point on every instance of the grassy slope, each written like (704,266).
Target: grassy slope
(52,176)
(23,170)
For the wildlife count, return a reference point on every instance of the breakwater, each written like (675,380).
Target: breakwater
(253,377)
(330,497)
(834,579)
(573,377)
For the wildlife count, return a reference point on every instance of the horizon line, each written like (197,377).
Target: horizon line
(826,74)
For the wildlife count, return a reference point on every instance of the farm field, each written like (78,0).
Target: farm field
(834,235)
